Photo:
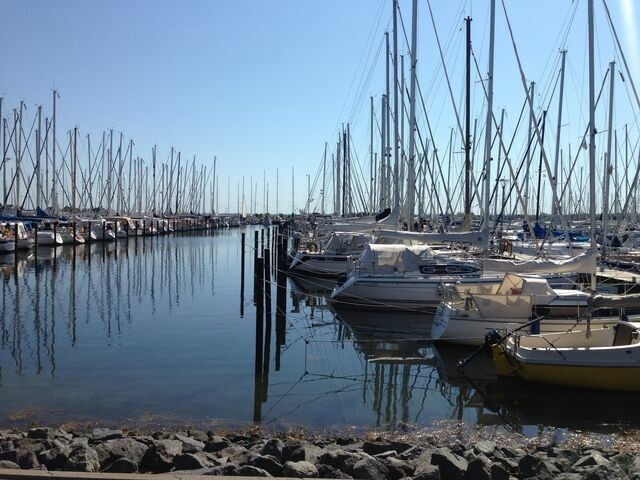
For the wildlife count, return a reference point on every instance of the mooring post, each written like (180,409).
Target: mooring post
(257,399)
(267,285)
(242,275)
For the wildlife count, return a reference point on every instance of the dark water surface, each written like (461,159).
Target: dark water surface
(159,331)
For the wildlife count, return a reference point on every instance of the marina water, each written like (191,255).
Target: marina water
(161,331)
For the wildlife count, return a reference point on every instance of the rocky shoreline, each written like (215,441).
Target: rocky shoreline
(385,456)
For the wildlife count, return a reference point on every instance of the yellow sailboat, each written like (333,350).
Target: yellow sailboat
(604,358)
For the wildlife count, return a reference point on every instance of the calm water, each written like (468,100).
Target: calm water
(160,332)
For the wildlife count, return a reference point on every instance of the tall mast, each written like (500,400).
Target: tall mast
(532,120)
(396,144)
(38,156)
(607,163)
(592,139)
(383,156)
(19,155)
(489,124)
(412,115)
(371,159)
(467,132)
(557,156)
(215,159)
(54,198)
(324,173)
(74,170)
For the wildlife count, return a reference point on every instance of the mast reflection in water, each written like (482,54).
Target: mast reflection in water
(147,332)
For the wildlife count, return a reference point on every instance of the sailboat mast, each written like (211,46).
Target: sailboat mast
(467,133)
(54,199)
(592,138)
(607,163)
(489,124)
(559,126)
(371,159)
(324,176)
(75,167)
(412,115)
(396,143)
(38,156)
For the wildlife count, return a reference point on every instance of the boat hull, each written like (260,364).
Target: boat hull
(574,359)
(393,292)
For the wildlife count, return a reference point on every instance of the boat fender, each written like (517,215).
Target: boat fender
(312,247)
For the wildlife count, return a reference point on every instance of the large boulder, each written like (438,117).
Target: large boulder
(113,450)
(159,457)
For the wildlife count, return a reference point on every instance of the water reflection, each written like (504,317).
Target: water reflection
(150,329)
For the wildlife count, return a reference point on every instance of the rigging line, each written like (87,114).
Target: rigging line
(446,73)
(563,34)
(359,100)
(584,136)
(537,130)
(361,63)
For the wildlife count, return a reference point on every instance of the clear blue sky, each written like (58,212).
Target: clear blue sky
(262,84)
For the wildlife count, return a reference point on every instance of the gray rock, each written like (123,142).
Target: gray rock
(301,469)
(121,465)
(592,459)
(274,447)
(293,451)
(9,465)
(485,447)
(370,469)
(452,466)
(569,476)
(531,465)
(56,457)
(268,463)
(327,471)
(508,464)
(251,471)
(430,472)
(191,461)
(82,459)
(399,465)
(199,435)
(10,456)
(215,444)
(234,453)
(377,447)
(604,472)
(477,470)
(190,445)
(45,433)
(27,460)
(414,452)
(499,473)
(6,446)
(112,450)
(159,457)
(103,434)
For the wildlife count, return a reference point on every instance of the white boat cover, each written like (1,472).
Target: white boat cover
(473,238)
(630,300)
(583,263)
(347,241)
(504,306)
(396,257)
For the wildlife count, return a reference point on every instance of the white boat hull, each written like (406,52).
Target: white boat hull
(398,291)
